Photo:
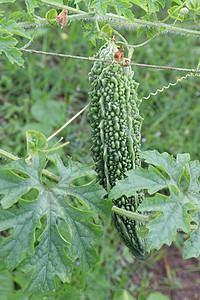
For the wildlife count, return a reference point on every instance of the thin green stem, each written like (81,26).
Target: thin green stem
(97,24)
(130,214)
(31,40)
(56,148)
(123,38)
(124,22)
(144,43)
(67,123)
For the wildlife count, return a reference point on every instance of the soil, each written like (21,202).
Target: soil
(171,275)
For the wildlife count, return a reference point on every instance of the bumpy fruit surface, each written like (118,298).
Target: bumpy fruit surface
(115,127)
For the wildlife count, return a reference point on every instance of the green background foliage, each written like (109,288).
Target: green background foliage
(49,90)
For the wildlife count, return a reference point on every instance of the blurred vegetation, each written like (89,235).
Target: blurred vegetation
(50,90)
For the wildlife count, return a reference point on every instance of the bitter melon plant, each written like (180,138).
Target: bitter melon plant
(115,129)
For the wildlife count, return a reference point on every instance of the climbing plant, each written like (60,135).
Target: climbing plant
(51,221)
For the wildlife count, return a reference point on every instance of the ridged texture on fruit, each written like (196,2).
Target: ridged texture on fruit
(116,126)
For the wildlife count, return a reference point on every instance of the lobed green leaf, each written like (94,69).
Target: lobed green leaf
(50,253)
(175,211)
(192,245)
(11,27)
(175,216)
(32,4)
(7,46)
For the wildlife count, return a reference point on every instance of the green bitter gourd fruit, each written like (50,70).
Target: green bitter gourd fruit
(115,129)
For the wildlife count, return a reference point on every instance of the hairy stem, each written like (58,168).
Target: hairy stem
(116,20)
(122,21)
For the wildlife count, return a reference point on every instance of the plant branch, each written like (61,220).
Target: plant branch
(116,20)
(122,21)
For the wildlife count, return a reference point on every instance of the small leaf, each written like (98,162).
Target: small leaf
(7,46)
(17,15)
(193,5)
(179,2)
(105,30)
(153,5)
(122,7)
(140,3)
(31,5)
(100,6)
(51,15)
(11,27)
(36,142)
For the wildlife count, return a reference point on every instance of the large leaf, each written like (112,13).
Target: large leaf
(176,210)
(52,253)
(6,285)
(152,179)
(192,245)
(193,191)
(175,216)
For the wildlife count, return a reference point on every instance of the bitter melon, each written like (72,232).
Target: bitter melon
(115,133)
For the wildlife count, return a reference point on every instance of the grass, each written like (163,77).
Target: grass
(49,91)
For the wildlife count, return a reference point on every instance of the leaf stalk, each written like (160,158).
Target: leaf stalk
(130,214)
